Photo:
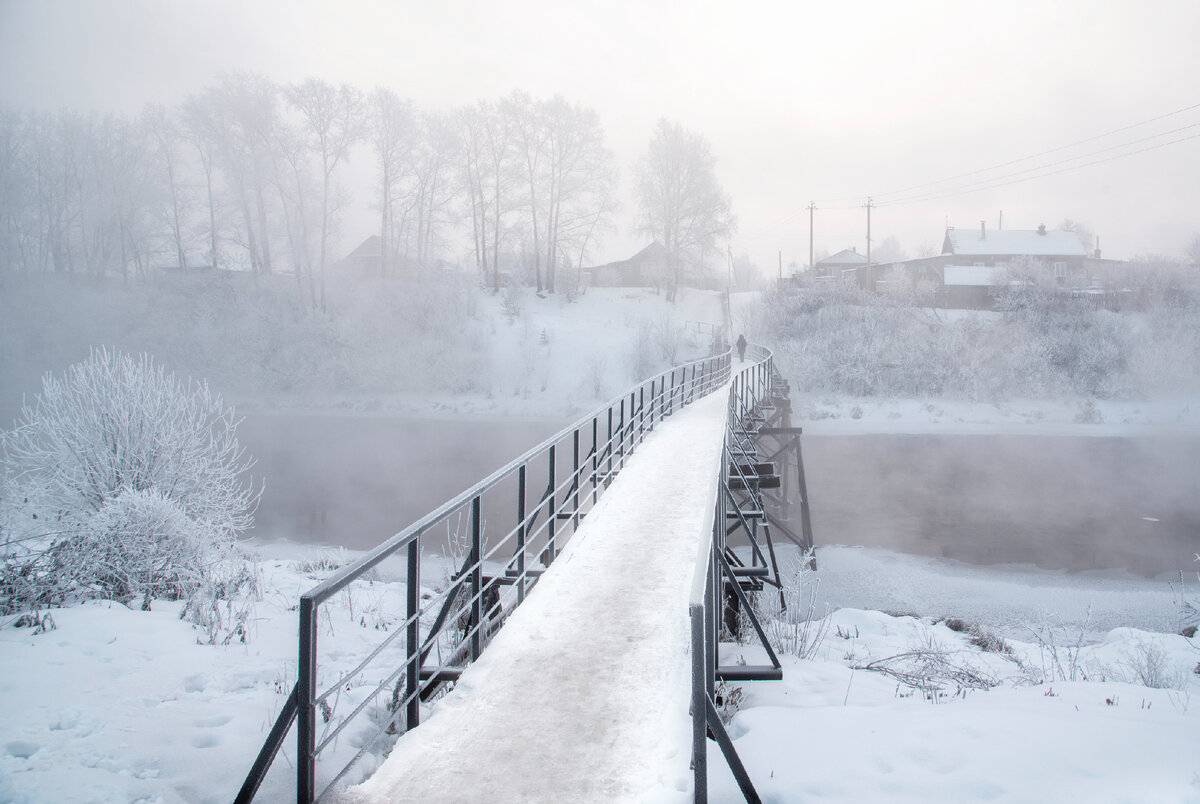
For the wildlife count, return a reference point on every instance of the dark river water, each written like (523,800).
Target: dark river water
(354,481)
(1059,502)
(1076,503)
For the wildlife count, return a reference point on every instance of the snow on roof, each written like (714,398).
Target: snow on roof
(846,256)
(1024,242)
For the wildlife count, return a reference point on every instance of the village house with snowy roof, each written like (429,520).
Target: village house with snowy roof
(648,268)
(847,264)
(974,262)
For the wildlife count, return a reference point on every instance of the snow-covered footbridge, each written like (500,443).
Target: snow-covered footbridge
(598,596)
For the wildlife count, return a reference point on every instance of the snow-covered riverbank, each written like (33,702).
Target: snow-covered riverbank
(120,705)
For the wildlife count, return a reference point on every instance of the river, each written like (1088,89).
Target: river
(1075,503)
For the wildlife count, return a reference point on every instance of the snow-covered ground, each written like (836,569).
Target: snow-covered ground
(121,705)
(838,728)
(112,704)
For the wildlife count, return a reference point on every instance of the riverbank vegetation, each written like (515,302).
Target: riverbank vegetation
(443,338)
(839,339)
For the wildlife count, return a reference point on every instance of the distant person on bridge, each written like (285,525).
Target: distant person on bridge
(741,345)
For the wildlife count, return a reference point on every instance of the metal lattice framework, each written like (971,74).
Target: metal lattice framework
(755,495)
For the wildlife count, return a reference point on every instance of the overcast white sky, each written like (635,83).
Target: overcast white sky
(829,102)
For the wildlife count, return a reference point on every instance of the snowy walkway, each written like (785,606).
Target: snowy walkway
(583,695)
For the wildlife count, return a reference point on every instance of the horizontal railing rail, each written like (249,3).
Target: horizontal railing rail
(490,543)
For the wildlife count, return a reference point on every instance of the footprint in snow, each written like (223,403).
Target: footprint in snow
(205,741)
(21,749)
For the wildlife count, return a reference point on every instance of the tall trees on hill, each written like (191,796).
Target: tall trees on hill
(490,177)
(681,204)
(332,122)
(392,134)
(568,175)
(245,174)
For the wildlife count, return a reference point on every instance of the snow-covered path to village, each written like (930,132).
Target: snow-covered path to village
(583,696)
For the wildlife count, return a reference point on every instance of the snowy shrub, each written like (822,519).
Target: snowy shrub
(670,336)
(727,699)
(978,636)
(1189,606)
(1149,665)
(931,667)
(120,480)
(1060,659)
(642,362)
(792,624)
(514,300)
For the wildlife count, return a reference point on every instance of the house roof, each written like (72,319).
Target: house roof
(846,256)
(654,251)
(368,249)
(1014,242)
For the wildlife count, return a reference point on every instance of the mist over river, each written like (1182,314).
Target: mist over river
(1059,502)
(355,480)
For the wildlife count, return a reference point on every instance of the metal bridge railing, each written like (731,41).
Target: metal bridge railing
(501,538)
(749,387)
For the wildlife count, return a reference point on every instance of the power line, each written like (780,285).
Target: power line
(989,186)
(1050,151)
(855,202)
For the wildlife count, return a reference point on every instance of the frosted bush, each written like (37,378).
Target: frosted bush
(120,480)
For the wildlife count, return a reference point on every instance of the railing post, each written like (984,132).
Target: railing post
(575,482)
(716,593)
(412,680)
(306,712)
(652,401)
(609,449)
(642,412)
(521,534)
(476,575)
(699,708)
(624,429)
(551,514)
(595,455)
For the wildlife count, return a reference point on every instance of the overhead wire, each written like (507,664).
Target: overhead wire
(1047,152)
(882,199)
(1019,175)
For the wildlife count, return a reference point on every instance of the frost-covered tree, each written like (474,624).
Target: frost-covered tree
(1192,251)
(333,123)
(681,202)
(391,132)
(119,479)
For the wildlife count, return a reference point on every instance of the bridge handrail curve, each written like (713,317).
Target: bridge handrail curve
(334,583)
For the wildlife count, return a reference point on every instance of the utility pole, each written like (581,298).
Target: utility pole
(781,270)
(812,207)
(869,206)
(1001,226)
